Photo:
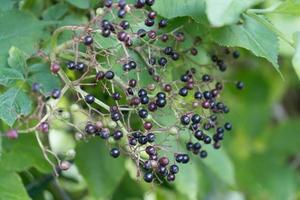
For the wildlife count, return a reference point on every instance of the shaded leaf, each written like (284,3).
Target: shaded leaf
(17,60)
(83,4)
(250,35)
(19,29)
(55,12)
(9,76)
(169,9)
(22,154)
(296,57)
(224,12)
(11,186)
(102,172)
(13,103)
(289,7)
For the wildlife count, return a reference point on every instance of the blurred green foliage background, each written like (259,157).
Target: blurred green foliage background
(260,160)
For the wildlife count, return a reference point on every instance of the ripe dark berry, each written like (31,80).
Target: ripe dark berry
(152,61)
(151,15)
(55,93)
(162,61)
(132,64)
(236,54)
(184,78)
(126,67)
(150,150)
(106,33)
(124,24)
(163,161)
(71,65)
(104,133)
(89,99)
(185,120)
(108,3)
(183,92)
(161,95)
(228,126)
(140,3)
(168,50)
(88,40)
(114,152)
(196,146)
(141,33)
(163,23)
(132,141)
(198,95)
(152,106)
(80,66)
(142,92)
(147,165)
(196,119)
(175,56)
(143,113)
(148,177)
(194,51)
(143,139)
(118,135)
(116,116)
(122,36)
(144,99)
(132,83)
(164,37)
(171,177)
(150,2)
(185,158)
(121,13)
(151,137)
(149,22)
(90,129)
(203,154)
(174,169)
(189,146)
(152,34)
(207,95)
(205,104)
(207,139)
(160,102)
(199,134)
(109,75)
(240,85)
(179,158)
(116,96)
(122,3)
(206,78)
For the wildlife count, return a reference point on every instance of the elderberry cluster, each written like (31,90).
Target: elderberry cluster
(194,96)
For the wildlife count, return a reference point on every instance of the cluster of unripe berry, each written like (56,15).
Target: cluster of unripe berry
(194,100)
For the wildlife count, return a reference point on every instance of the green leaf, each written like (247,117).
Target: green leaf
(9,76)
(55,12)
(101,172)
(13,103)
(296,58)
(187,182)
(251,35)
(19,29)
(226,12)
(83,4)
(288,7)
(220,164)
(170,9)
(17,60)
(22,154)
(7,5)
(11,186)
